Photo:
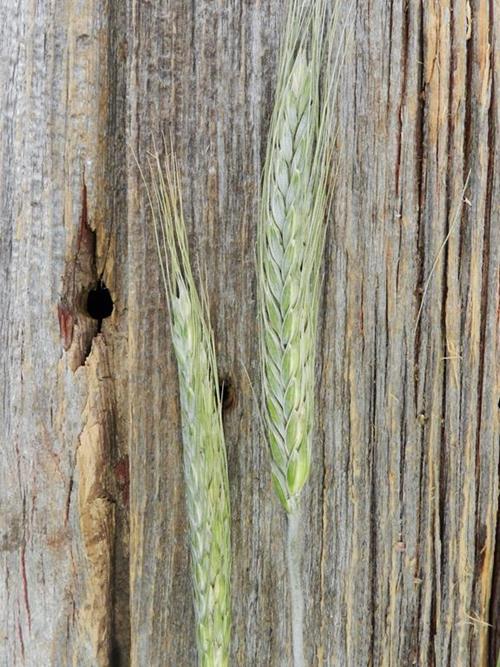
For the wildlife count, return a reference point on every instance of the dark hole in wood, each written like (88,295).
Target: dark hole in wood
(227,393)
(99,302)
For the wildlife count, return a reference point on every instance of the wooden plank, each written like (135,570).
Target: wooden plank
(57,522)
(400,513)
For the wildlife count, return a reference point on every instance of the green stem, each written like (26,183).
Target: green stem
(294,557)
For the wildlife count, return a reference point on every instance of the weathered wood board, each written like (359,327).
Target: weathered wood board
(400,515)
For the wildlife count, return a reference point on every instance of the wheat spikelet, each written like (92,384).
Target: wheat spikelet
(290,243)
(205,465)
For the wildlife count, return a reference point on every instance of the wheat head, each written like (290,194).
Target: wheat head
(291,239)
(204,452)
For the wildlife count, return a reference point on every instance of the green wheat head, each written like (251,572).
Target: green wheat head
(291,237)
(205,464)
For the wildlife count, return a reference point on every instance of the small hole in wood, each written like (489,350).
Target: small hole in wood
(99,302)
(227,393)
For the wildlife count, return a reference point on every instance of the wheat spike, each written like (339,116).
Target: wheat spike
(287,348)
(291,240)
(291,236)
(204,452)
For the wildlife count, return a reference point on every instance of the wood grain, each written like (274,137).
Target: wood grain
(400,515)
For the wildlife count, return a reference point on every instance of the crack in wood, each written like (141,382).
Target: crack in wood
(96,506)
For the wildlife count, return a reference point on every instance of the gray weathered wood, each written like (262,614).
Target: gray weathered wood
(400,514)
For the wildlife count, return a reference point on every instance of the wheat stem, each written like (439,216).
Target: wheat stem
(204,453)
(294,553)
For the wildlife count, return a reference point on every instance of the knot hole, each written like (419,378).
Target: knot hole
(227,393)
